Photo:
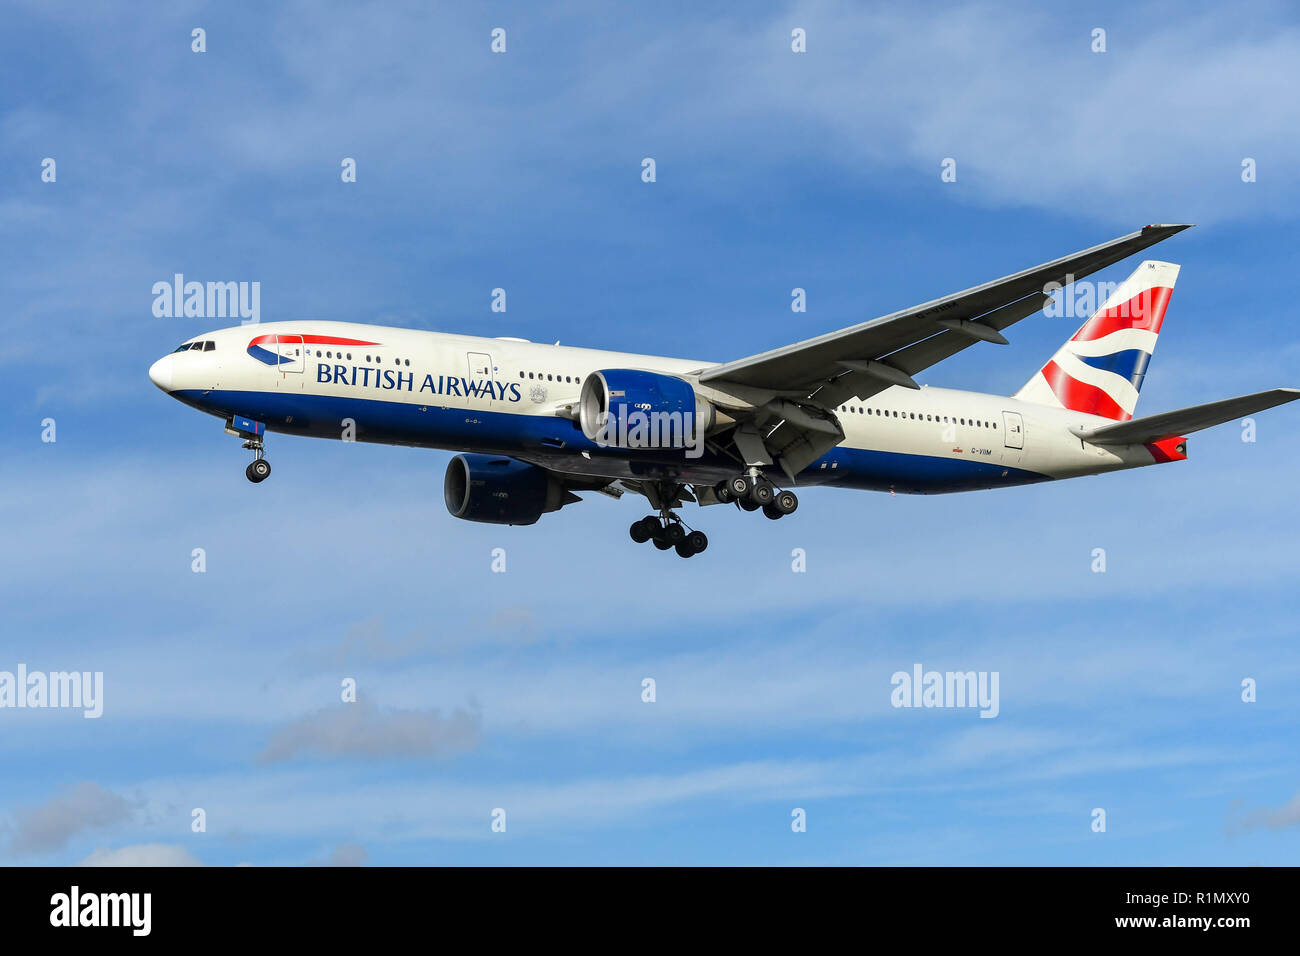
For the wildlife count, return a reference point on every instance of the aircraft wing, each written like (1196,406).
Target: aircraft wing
(801,385)
(1153,428)
(867,358)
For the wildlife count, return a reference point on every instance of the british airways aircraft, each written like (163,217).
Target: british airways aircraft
(536,423)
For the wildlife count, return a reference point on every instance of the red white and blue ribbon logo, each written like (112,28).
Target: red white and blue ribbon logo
(273,357)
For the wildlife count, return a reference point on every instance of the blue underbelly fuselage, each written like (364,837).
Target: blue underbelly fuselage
(559,443)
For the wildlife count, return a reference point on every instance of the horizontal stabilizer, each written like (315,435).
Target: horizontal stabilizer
(1155,428)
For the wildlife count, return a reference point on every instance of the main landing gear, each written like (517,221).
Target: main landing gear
(752,492)
(667,531)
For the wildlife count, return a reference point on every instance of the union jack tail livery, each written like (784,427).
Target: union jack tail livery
(1099,371)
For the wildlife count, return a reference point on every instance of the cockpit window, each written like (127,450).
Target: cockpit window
(209,346)
(184,347)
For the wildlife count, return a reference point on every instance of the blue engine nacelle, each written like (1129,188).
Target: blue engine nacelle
(631,408)
(501,490)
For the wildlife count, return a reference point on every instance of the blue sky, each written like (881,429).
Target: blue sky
(522,690)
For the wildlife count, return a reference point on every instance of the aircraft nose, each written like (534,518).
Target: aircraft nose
(160,373)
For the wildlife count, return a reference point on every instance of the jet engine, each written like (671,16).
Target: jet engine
(500,490)
(631,408)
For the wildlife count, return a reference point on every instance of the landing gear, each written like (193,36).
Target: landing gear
(668,532)
(692,544)
(251,432)
(259,469)
(759,493)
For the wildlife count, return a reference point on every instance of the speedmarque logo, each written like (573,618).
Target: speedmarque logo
(103,909)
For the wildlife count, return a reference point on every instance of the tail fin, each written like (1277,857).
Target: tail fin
(1100,369)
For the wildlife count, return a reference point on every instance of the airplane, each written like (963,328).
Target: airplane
(533,424)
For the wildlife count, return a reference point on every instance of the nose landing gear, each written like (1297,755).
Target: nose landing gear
(259,469)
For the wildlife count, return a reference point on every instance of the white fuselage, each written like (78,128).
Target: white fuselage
(512,397)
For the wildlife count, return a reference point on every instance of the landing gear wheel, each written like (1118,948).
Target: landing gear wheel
(674,533)
(684,550)
(661,544)
(738,486)
(258,470)
(785,502)
(641,531)
(772,511)
(697,541)
(723,492)
(762,493)
(747,505)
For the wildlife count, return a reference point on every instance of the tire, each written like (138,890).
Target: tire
(684,549)
(258,470)
(762,493)
(786,502)
(697,541)
(747,505)
(738,486)
(772,511)
(674,533)
(661,544)
(723,493)
(638,532)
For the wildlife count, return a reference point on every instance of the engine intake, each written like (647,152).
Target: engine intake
(631,408)
(500,490)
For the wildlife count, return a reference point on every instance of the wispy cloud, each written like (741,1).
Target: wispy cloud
(49,826)
(361,729)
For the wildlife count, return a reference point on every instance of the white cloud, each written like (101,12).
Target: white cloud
(142,854)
